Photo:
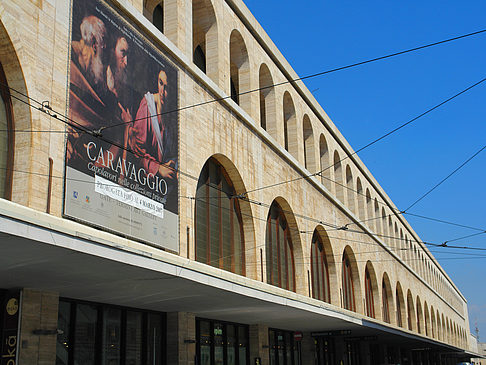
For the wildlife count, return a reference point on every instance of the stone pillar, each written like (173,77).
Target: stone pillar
(38,327)
(181,338)
(259,343)
(308,349)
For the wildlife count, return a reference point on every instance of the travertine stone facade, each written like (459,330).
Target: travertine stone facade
(343,202)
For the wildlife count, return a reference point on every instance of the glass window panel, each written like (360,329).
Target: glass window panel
(202,218)
(63,341)
(205,343)
(154,339)
(242,344)
(230,345)
(282,263)
(110,353)
(226,211)
(280,348)
(238,249)
(218,344)
(272,346)
(85,327)
(274,257)
(288,348)
(134,338)
(268,251)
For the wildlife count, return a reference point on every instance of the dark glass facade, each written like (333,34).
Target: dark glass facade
(99,334)
(283,350)
(221,343)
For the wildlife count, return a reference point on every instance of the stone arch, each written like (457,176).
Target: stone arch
(242,211)
(385,237)
(400,306)
(325,165)
(350,189)
(387,300)
(267,101)
(154,11)
(309,149)
(378,228)
(205,38)
(300,282)
(420,315)
(338,177)
(411,318)
(239,80)
(371,293)
(433,324)
(361,199)
(350,282)
(369,208)
(19,153)
(330,262)
(290,126)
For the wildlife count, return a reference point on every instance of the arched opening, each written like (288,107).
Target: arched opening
(386,299)
(360,197)
(433,326)
(205,38)
(350,281)
(420,316)
(239,71)
(338,177)
(410,312)
(371,290)
(325,163)
(158,17)
(350,190)
(384,224)
(267,101)
(7,142)
(401,244)
(440,333)
(369,208)
(290,125)
(378,230)
(320,252)
(279,250)
(391,240)
(309,151)
(400,313)
(220,239)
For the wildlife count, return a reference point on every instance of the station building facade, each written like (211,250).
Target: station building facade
(170,195)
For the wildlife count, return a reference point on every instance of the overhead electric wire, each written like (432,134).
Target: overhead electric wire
(372,142)
(78,126)
(447,177)
(312,75)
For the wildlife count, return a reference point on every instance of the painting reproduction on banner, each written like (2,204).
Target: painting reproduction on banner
(122,144)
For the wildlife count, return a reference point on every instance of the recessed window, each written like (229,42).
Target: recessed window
(219,225)
(320,272)
(279,250)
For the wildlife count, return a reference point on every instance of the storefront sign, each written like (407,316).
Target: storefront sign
(298,336)
(10,328)
(331,333)
(122,147)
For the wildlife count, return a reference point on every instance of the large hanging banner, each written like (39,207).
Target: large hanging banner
(122,149)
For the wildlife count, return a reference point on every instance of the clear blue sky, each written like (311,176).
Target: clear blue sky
(367,101)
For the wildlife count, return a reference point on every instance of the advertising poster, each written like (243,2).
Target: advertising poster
(121,163)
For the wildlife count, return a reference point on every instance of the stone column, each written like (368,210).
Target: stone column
(38,327)
(181,338)
(308,349)
(259,343)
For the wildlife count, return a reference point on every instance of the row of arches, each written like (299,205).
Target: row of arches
(223,239)
(277,114)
